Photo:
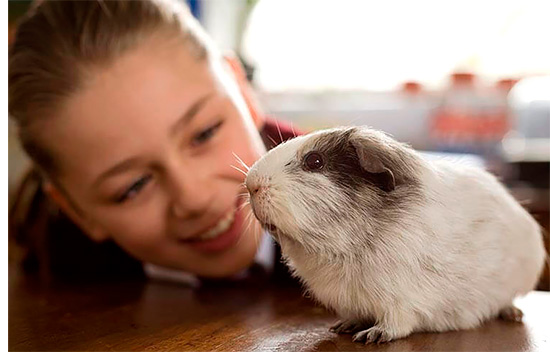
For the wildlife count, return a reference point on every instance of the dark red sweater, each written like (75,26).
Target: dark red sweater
(276,131)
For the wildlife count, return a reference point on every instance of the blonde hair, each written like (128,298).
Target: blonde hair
(59,43)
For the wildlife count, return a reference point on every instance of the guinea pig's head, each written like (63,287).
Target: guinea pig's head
(332,189)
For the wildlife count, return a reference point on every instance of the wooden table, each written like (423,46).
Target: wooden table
(255,315)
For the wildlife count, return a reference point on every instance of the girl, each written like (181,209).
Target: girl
(135,124)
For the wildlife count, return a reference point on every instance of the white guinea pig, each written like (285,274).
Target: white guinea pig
(392,243)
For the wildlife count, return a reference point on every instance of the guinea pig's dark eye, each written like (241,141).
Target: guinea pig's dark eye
(313,161)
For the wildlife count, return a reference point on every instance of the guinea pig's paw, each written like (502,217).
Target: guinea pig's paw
(511,313)
(373,335)
(349,326)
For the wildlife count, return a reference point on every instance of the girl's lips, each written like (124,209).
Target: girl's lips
(224,240)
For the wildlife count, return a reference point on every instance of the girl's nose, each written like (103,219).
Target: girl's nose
(191,196)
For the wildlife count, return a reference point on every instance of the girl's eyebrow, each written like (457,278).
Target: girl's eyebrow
(190,113)
(184,120)
(122,166)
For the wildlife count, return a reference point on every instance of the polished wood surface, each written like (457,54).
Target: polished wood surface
(254,315)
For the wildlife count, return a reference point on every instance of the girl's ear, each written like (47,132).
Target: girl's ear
(245,89)
(93,231)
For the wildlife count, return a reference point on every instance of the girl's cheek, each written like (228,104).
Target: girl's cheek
(140,236)
(140,226)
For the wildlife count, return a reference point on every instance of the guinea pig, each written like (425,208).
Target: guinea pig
(392,243)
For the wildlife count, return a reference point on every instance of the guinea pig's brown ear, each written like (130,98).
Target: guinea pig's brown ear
(376,172)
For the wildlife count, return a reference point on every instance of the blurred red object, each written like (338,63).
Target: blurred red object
(411,87)
(471,118)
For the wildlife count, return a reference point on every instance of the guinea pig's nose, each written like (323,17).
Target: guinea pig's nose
(253,188)
(253,185)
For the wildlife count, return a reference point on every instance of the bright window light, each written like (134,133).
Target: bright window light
(377,45)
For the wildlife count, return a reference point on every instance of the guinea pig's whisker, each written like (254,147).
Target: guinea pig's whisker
(245,200)
(272,140)
(241,162)
(241,207)
(241,194)
(247,219)
(279,130)
(292,127)
(254,229)
(257,232)
(249,215)
(245,203)
(236,168)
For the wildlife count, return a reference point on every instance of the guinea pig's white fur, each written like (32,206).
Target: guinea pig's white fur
(445,248)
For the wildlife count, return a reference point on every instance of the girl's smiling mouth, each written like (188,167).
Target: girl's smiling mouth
(223,235)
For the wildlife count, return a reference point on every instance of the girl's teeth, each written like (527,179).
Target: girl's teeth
(221,227)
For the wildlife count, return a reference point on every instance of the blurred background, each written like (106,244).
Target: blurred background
(459,79)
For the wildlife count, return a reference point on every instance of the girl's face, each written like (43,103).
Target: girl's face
(146,150)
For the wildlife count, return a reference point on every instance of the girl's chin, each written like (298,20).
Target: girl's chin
(226,264)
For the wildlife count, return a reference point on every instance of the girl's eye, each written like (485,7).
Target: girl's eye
(207,134)
(134,189)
